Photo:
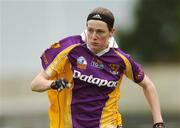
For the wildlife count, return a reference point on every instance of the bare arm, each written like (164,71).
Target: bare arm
(41,82)
(151,95)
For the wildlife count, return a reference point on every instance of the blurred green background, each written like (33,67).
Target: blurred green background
(147,29)
(156,37)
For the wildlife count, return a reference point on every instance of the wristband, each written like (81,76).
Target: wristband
(159,125)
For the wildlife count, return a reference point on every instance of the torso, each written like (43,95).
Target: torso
(95,77)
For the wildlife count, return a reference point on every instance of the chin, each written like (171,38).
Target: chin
(93,49)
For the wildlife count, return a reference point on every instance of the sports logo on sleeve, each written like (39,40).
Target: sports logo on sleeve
(81,62)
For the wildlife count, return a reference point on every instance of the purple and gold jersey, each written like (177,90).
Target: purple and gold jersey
(92,100)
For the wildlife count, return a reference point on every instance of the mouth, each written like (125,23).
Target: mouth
(94,44)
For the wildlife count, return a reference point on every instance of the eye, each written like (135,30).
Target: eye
(100,32)
(90,30)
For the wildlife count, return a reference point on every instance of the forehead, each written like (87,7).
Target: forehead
(97,24)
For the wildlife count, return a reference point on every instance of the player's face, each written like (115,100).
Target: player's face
(98,35)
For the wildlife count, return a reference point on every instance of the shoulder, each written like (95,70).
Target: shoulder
(64,43)
(121,53)
(50,53)
(134,70)
(125,56)
(70,40)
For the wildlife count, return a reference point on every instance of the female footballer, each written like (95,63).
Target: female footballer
(83,78)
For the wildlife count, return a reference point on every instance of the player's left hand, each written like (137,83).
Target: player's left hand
(159,125)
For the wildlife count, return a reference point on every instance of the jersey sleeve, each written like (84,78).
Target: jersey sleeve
(50,54)
(134,71)
(57,67)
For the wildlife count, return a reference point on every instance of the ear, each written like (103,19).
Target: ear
(111,32)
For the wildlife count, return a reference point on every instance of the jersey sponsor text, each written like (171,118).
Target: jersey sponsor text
(94,80)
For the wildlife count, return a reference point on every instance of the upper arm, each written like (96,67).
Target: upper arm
(41,82)
(146,82)
(44,75)
(40,77)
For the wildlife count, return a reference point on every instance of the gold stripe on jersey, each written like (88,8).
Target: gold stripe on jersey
(128,71)
(59,111)
(110,116)
(57,66)
(67,97)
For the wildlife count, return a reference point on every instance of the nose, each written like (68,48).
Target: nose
(94,35)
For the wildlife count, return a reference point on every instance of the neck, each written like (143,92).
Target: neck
(99,52)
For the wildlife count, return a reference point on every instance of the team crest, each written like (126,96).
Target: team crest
(97,63)
(114,68)
(81,62)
